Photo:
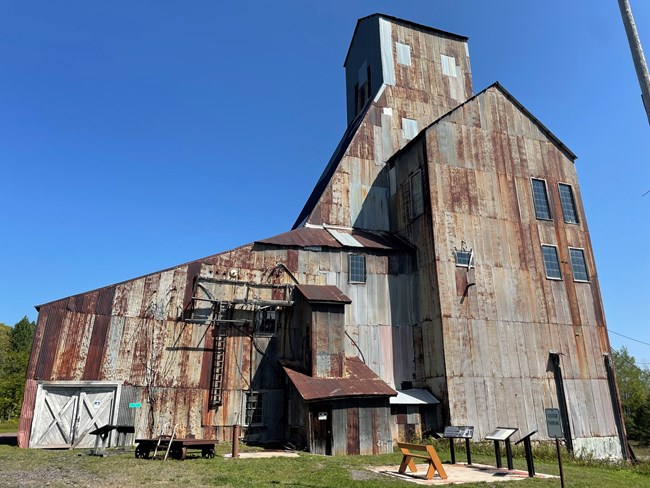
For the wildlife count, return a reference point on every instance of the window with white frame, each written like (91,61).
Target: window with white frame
(356,268)
(409,128)
(417,197)
(568,203)
(551,262)
(403,54)
(578,264)
(448,65)
(253,408)
(464,258)
(540,200)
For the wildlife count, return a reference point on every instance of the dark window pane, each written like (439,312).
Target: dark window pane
(253,408)
(551,262)
(357,268)
(568,204)
(417,200)
(578,264)
(540,200)
(463,258)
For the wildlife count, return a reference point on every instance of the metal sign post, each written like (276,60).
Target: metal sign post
(554,428)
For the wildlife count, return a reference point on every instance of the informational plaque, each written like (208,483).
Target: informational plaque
(501,434)
(554,423)
(459,432)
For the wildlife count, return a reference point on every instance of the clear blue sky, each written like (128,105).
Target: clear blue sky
(135,136)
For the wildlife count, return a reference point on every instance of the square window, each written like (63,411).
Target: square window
(417,199)
(265,321)
(448,65)
(568,204)
(403,54)
(540,200)
(464,259)
(409,128)
(578,264)
(551,262)
(253,408)
(356,268)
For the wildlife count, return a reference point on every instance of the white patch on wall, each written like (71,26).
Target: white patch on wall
(448,65)
(403,54)
(409,128)
(386,42)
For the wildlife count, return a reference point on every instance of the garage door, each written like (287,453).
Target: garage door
(64,416)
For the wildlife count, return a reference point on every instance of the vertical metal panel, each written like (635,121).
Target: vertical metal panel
(51,340)
(352,430)
(96,349)
(27,413)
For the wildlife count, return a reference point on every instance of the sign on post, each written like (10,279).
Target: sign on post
(554,423)
(135,405)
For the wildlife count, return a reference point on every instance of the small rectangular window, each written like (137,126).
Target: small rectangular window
(568,204)
(253,408)
(551,262)
(578,264)
(265,321)
(403,54)
(409,128)
(464,258)
(448,65)
(417,199)
(356,268)
(540,200)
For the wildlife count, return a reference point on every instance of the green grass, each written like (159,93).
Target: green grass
(9,426)
(23,467)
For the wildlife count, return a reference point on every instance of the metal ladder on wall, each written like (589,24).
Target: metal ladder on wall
(219,359)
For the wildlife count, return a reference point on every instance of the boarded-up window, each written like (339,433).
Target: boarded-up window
(551,262)
(578,264)
(409,128)
(417,198)
(448,65)
(403,54)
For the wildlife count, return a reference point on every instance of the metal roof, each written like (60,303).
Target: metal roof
(321,237)
(414,396)
(360,381)
(323,294)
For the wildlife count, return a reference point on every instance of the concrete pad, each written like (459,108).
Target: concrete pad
(457,474)
(264,454)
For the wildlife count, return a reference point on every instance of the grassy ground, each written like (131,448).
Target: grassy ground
(9,426)
(22,467)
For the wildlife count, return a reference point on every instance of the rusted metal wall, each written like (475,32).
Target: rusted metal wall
(135,333)
(493,338)
(361,426)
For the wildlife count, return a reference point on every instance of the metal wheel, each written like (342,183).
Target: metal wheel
(142,452)
(207,453)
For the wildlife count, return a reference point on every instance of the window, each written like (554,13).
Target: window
(568,204)
(464,258)
(417,199)
(265,321)
(448,65)
(551,262)
(362,89)
(540,200)
(409,128)
(403,54)
(253,408)
(356,268)
(578,264)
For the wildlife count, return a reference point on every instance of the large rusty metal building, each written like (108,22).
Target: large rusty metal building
(441,272)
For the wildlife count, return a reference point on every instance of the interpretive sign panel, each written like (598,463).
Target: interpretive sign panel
(501,434)
(459,432)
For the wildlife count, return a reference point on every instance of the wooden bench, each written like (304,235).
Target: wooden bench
(431,456)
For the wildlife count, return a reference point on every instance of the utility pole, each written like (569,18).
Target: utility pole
(637,53)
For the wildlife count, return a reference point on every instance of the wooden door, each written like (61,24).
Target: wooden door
(321,426)
(95,408)
(54,418)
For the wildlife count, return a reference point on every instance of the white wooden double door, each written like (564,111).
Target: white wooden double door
(64,416)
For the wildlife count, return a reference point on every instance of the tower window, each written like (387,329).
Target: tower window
(403,54)
(540,200)
(356,268)
(551,262)
(409,128)
(568,204)
(578,264)
(448,65)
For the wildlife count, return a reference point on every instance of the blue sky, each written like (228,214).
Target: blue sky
(135,136)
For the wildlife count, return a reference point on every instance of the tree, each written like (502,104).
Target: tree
(15,347)
(634,389)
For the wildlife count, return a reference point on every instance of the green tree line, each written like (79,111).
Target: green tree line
(15,346)
(634,390)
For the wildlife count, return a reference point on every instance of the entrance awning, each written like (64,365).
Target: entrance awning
(414,396)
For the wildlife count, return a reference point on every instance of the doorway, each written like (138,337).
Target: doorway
(321,427)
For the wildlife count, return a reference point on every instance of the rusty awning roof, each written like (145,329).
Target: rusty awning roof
(360,381)
(325,237)
(323,294)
